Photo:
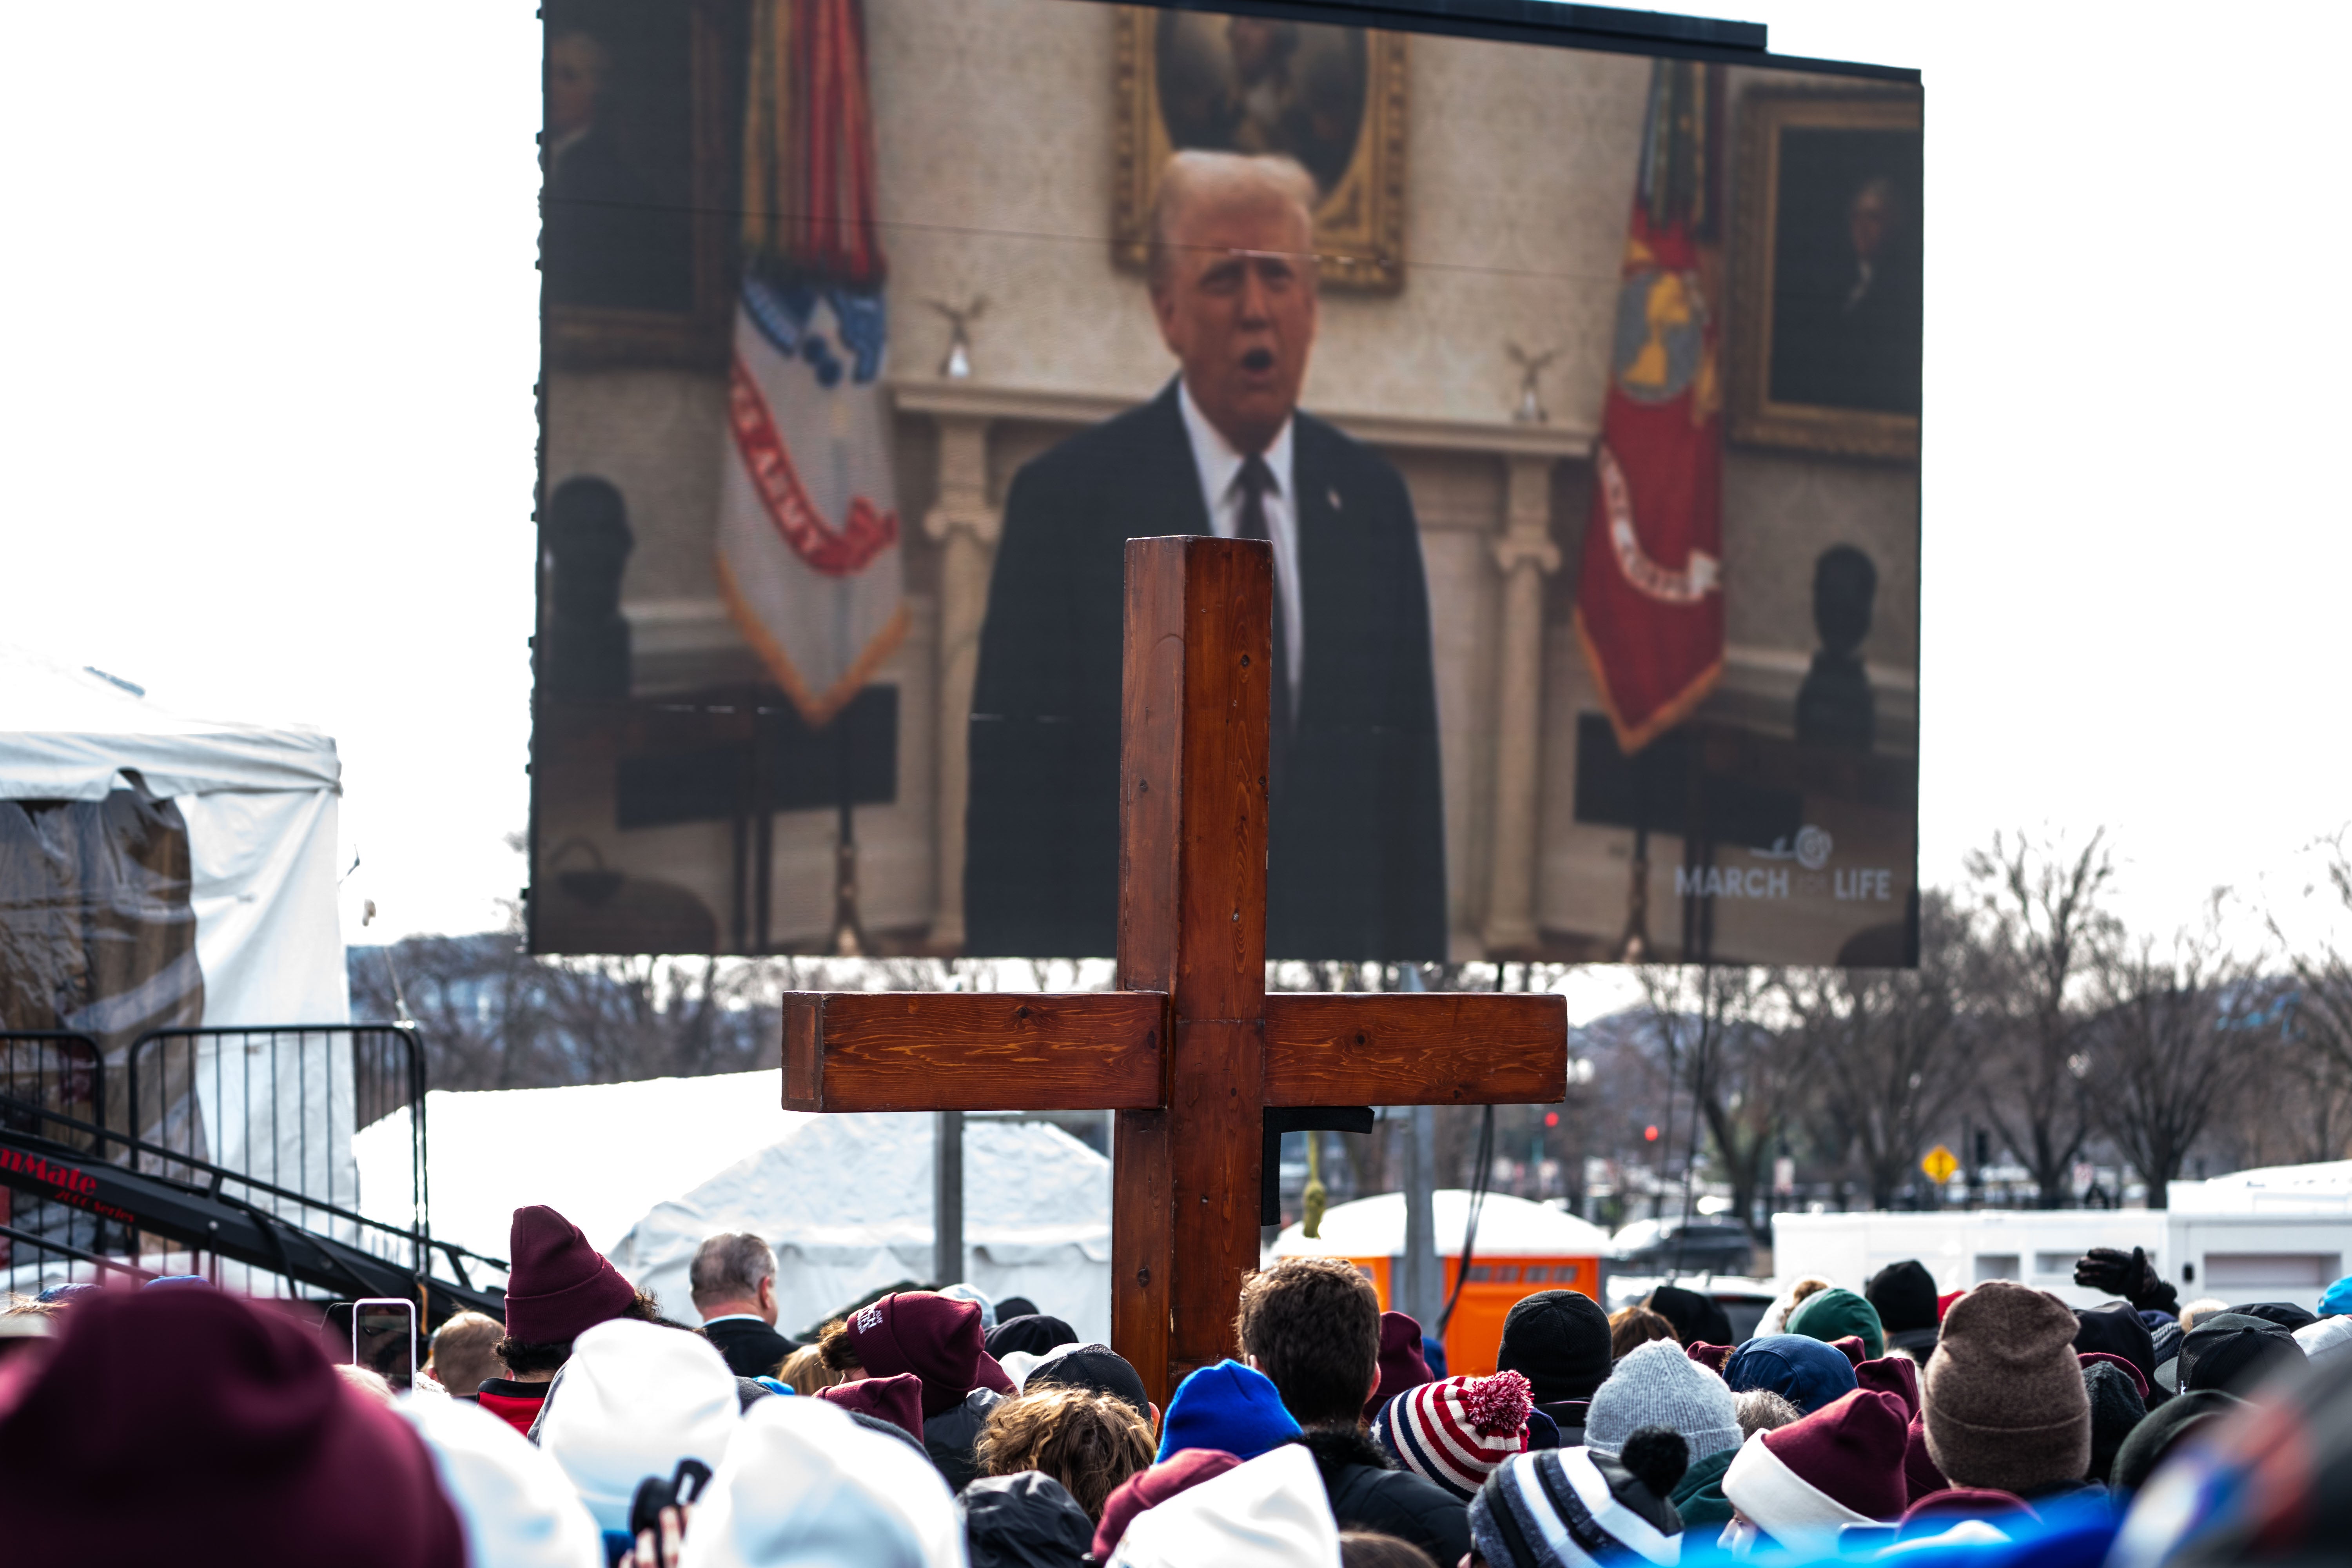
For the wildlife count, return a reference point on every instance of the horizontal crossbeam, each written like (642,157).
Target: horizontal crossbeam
(974,1050)
(1448,1048)
(1003,1050)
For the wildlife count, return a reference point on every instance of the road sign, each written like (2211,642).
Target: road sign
(1939,1165)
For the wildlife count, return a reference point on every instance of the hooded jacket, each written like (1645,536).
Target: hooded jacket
(1367,1494)
(1025,1520)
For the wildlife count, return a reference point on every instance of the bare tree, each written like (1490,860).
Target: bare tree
(2325,974)
(1740,1075)
(2167,1045)
(2044,926)
(1884,1051)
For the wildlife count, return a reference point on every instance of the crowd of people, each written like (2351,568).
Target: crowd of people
(930,1427)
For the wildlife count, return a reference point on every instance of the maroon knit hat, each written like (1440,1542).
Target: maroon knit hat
(1852,1347)
(1920,1476)
(1150,1488)
(1850,1449)
(1894,1374)
(897,1400)
(237,1440)
(1712,1357)
(1402,1366)
(558,1287)
(936,1337)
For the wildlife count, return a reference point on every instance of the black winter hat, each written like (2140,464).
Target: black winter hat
(2232,1352)
(1097,1368)
(1034,1332)
(1025,1520)
(2164,1427)
(1905,1295)
(2117,1330)
(2117,1410)
(1698,1320)
(1559,1341)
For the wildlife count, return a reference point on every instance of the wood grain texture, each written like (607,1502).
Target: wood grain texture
(1437,1049)
(894,1050)
(1142,1249)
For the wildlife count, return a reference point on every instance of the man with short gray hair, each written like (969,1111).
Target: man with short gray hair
(732,1281)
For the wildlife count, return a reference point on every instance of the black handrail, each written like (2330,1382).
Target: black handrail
(42,1243)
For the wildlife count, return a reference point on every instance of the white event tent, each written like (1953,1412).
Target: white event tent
(648,1170)
(91,775)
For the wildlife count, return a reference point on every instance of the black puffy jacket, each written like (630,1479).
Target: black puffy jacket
(950,1435)
(1368,1493)
(1028,1520)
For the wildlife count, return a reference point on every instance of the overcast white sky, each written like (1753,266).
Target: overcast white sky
(268,423)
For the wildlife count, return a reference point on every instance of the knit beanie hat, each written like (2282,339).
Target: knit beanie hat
(803,1485)
(1832,1314)
(1711,1357)
(2116,1330)
(1401,1364)
(558,1285)
(1559,1341)
(897,1400)
(1456,1432)
(936,1338)
(2337,1299)
(635,1398)
(1802,1483)
(1657,1386)
(1022,1520)
(1270,1512)
(1036,1333)
(1696,1317)
(516,1505)
(1904,1296)
(1098,1369)
(978,1298)
(1894,1374)
(2003,1396)
(1227,1407)
(1804,1372)
(2116,1408)
(1150,1488)
(232,1433)
(2101,1358)
(1571,1508)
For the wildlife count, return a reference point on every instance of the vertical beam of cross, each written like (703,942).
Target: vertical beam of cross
(1193,807)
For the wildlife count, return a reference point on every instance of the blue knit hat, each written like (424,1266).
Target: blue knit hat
(2337,1299)
(1802,1371)
(1229,1406)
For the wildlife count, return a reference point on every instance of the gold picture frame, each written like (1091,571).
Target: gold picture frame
(1809,370)
(1359,219)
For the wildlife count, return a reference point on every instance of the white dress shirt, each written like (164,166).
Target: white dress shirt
(1221,472)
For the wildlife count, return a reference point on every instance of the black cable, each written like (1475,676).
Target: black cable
(1480,1180)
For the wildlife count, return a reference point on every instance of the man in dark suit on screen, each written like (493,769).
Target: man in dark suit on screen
(1356,856)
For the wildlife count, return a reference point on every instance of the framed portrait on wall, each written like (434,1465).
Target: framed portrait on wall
(1826,282)
(1332,97)
(639,157)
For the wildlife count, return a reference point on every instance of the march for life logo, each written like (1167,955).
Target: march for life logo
(1813,876)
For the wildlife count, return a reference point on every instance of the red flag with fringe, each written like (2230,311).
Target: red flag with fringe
(1649,603)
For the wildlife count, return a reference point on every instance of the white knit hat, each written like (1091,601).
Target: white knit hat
(515,1504)
(633,1400)
(1656,1384)
(1271,1513)
(806,1487)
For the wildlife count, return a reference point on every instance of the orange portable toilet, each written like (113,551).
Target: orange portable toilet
(1521,1248)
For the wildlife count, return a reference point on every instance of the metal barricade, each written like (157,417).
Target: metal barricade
(263,1118)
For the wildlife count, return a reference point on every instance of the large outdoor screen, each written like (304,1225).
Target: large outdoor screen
(1577,392)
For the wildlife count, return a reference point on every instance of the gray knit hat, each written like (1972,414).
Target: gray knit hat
(1656,1384)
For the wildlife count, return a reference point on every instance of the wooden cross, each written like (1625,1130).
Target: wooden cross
(1190,1050)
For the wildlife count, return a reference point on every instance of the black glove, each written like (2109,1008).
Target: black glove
(2128,1275)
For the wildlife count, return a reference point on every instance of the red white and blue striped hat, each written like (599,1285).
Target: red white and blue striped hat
(1454,1432)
